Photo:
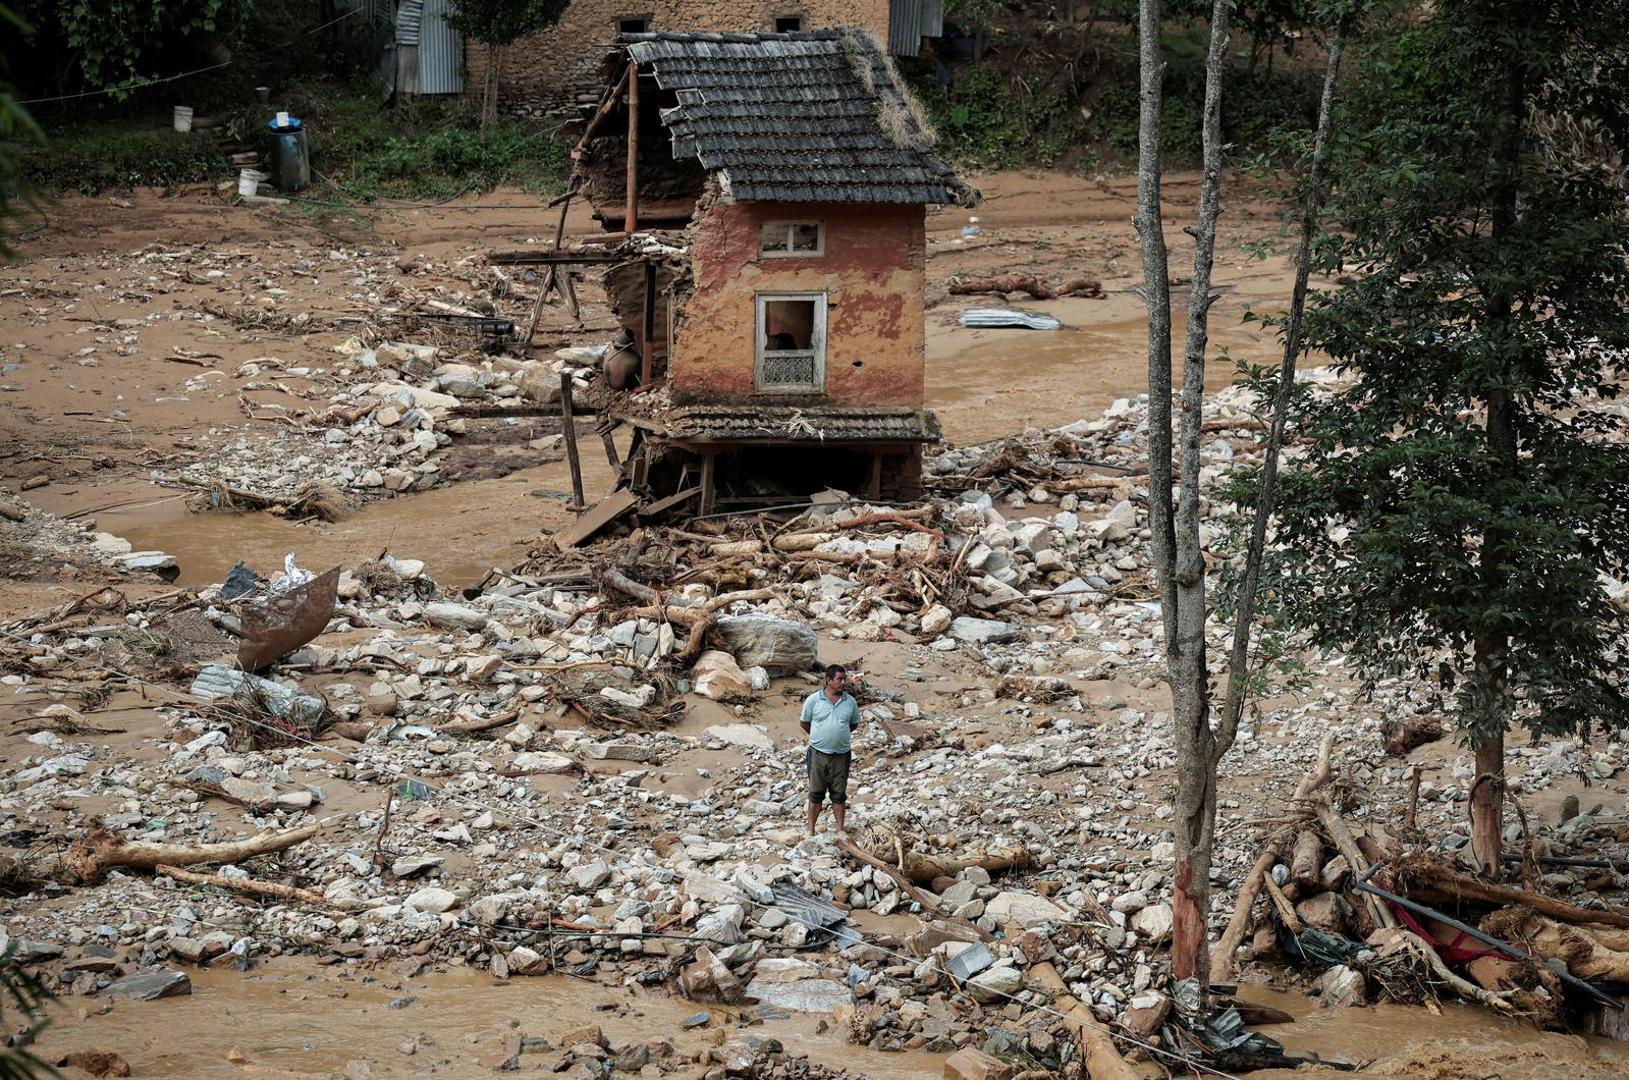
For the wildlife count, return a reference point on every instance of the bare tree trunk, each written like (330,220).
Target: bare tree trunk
(1194,824)
(489,90)
(1238,666)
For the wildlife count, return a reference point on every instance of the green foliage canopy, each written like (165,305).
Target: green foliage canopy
(110,40)
(503,22)
(1454,506)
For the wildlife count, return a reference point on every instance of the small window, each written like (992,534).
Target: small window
(788,24)
(792,239)
(791,343)
(639,24)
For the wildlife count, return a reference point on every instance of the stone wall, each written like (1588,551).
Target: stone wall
(871,271)
(548,76)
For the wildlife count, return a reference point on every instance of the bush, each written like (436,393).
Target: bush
(984,121)
(93,159)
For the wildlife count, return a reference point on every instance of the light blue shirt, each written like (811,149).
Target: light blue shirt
(830,722)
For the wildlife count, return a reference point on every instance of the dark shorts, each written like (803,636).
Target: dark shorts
(828,775)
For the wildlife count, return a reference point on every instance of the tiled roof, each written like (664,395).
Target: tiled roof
(789,423)
(812,116)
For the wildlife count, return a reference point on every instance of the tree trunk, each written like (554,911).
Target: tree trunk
(1238,666)
(489,90)
(1491,692)
(1194,823)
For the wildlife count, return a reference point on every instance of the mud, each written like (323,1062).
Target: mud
(310,1021)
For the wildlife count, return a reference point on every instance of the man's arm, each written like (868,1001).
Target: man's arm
(853,714)
(808,714)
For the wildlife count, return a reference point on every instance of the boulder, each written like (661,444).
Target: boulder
(1341,985)
(450,616)
(719,677)
(981,631)
(748,736)
(995,984)
(432,899)
(970,1063)
(936,620)
(542,763)
(1024,909)
(779,646)
(151,986)
(1153,923)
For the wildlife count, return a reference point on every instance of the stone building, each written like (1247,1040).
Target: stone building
(553,75)
(781,318)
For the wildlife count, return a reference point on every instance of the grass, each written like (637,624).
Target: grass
(426,149)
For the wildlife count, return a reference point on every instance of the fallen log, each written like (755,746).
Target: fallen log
(472,727)
(266,889)
(90,857)
(619,581)
(1431,881)
(1590,952)
(1306,858)
(1103,1059)
(1239,925)
(1025,283)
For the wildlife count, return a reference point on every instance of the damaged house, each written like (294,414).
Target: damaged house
(770,191)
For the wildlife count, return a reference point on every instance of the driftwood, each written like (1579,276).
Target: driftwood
(911,890)
(472,727)
(1103,1059)
(266,889)
(1464,988)
(1239,925)
(696,643)
(1306,858)
(626,585)
(1026,283)
(1431,881)
(93,855)
(1594,952)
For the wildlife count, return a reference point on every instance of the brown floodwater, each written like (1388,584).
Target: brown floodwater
(300,1019)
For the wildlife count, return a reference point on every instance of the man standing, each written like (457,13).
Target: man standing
(829,716)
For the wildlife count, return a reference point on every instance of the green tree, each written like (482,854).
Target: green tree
(110,41)
(15,126)
(1456,503)
(497,24)
(26,991)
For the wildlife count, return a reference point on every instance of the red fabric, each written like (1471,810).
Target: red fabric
(1454,952)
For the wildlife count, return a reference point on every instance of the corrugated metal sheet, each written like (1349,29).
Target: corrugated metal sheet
(904,27)
(441,51)
(408,18)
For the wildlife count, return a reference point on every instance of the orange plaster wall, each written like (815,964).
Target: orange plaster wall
(872,270)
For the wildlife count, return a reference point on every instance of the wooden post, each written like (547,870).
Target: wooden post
(568,427)
(706,504)
(549,280)
(648,329)
(610,449)
(873,489)
(631,217)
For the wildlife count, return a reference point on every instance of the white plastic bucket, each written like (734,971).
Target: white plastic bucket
(183,118)
(249,183)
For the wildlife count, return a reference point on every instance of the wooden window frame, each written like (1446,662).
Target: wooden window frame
(648,19)
(789,224)
(817,343)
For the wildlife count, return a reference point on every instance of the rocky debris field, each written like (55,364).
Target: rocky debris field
(591,766)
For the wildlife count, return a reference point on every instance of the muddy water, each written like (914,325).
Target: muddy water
(295,1018)
(1461,1043)
(460,532)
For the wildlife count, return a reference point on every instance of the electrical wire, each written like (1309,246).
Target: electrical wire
(142,84)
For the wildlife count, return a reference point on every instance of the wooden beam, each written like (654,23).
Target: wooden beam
(601,113)
(526,257)
(550,280)
(610,449)
(873,488)
(630,220)
(648,327)
(708,461)
(568,427)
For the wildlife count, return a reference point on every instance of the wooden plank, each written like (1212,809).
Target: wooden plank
(601,113)
(568,427)
(663,505)
(607,510)
(532,257)
(610,449)
(648,330)
(630,219)
(708,463)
